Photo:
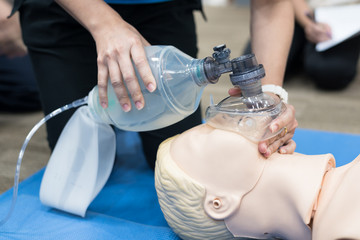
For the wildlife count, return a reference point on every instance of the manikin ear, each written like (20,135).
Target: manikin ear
(221,206)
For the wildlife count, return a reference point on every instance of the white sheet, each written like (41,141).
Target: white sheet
(343,20)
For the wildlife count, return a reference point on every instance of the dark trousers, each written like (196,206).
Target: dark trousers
(333,69)
(64,56)
(18,88)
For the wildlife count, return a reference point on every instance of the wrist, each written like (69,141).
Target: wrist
(105,24)
(277,90)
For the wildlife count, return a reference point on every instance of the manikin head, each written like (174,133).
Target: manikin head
(214,184)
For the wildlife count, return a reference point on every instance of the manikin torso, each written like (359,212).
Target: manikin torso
(263,198)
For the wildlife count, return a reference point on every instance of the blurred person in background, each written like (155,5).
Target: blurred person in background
(332,69)
(18,89)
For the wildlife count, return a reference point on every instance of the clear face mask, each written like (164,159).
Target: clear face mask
(251,113)
(249,117)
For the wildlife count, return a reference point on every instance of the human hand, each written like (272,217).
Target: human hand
(11,43)
(118,48)
(282,142)
(316,32)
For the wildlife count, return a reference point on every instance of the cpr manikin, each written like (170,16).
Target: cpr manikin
(212,183)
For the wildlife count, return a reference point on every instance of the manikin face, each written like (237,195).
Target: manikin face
(255,197)
(212,157)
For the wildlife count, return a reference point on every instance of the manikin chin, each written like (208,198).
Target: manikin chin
(214,184)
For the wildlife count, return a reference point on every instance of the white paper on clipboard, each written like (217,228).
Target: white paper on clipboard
(343,20)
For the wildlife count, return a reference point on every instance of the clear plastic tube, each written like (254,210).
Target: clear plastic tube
(74,104)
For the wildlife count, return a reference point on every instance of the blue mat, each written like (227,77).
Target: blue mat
(127,207)
(344,147)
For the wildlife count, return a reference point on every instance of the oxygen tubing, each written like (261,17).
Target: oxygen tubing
(77,103)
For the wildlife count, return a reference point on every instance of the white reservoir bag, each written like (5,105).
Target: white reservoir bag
(80,164)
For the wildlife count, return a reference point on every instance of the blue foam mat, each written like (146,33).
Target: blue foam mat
(344,147)
(127,207)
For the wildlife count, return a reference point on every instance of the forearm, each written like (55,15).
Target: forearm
(95,15)
(5,9)
(272,26)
